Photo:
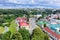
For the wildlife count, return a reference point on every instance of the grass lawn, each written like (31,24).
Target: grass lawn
(1,30)
(13,26)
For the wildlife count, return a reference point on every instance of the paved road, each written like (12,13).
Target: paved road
(32,24)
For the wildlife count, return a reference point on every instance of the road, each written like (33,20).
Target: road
(32,24)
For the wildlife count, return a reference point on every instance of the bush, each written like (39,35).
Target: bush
(6,36)
(25,34)
(38,34)
(16,36)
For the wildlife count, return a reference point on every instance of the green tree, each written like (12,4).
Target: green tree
(16,36)
(44,25)
(46,37)
(25,34)
(6,36)
(38,34)
(1,36)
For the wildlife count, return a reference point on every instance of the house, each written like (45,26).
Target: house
(52,34)
(54,16)
(20,19)
(22,22)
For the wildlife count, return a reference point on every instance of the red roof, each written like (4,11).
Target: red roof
(23,18)
(23,24)
(20,18)
(52,33)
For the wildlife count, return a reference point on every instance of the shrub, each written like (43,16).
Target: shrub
(25,34)
(16,36)
(38,34)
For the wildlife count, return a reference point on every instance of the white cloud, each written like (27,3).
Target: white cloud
(55,3)
(34,1)
(18,1)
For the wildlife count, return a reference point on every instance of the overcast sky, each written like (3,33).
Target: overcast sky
(29,3)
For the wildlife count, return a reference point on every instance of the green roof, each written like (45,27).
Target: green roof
(41,22)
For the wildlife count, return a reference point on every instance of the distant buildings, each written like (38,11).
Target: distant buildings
(38,15)
(53,29)
(52,34)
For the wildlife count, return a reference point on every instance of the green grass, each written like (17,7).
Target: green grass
(1,30)
(13,26)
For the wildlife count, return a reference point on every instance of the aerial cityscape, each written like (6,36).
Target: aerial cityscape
(29,19)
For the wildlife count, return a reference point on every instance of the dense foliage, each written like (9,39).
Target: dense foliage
(6,36)
(46,37)
(17,36)
(13,26)
(39,35)
(9,36)
(25,34)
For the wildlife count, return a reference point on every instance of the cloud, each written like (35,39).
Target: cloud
(33,3)
(47,2)
(18,1)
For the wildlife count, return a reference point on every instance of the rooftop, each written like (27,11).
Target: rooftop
(20,18)
(23,24)
(52,33)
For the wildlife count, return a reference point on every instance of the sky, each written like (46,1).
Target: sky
(29,3)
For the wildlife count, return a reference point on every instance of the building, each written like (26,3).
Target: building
(20,19)
(52,34)
(22,22)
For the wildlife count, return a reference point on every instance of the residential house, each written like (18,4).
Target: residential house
(22,22)
(51,33)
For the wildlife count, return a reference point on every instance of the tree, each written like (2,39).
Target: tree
(1,36)
(25,34)
(6,36)
(46,37)
(44,25)
(16,36)
(38,34)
